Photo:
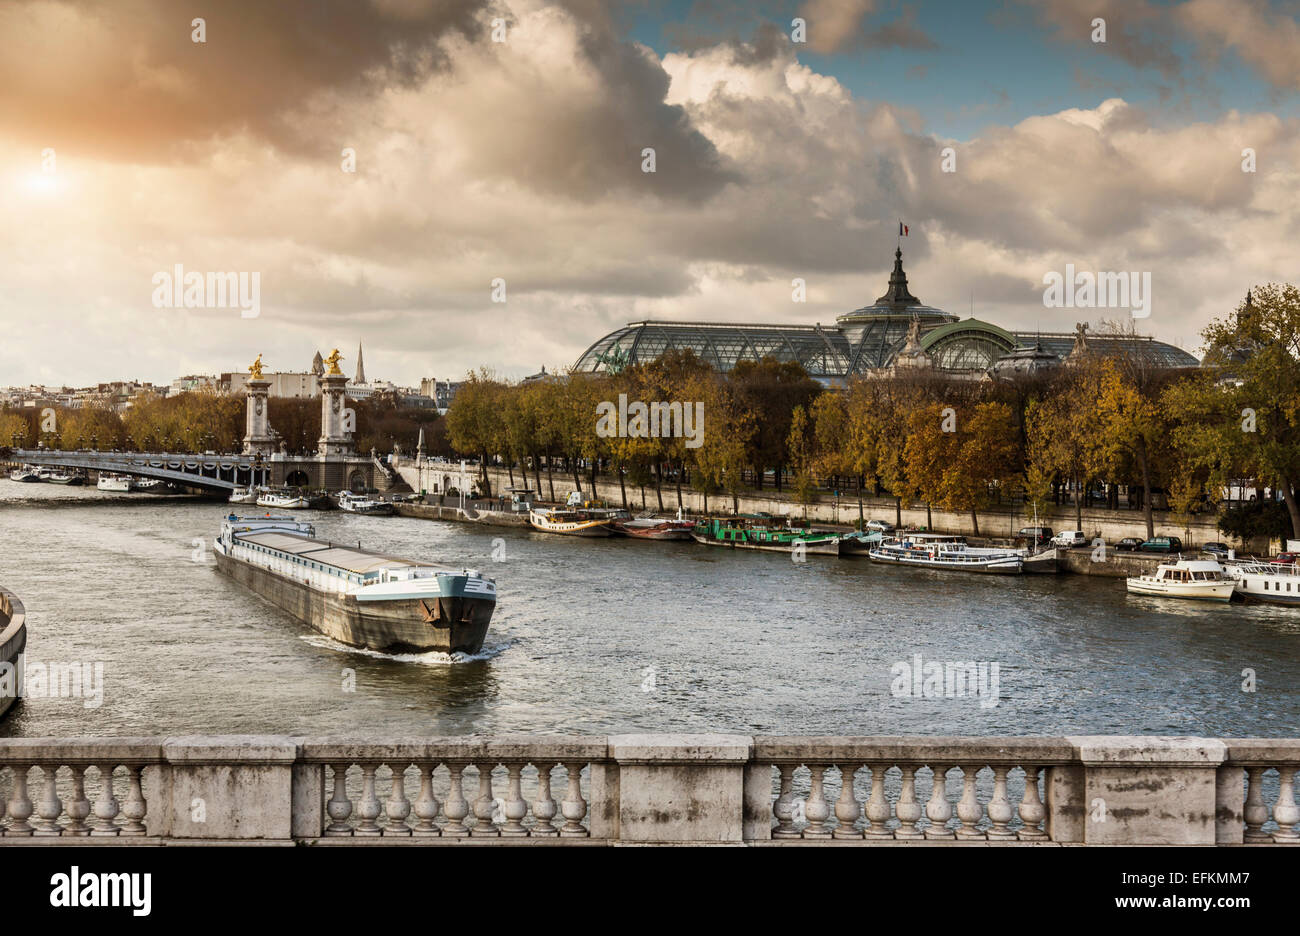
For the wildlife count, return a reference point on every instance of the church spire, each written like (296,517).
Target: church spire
(361,367)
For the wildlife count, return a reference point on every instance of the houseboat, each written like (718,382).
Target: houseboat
(1200,579)
(26,474)
(578,522)
(357,597)
(936,551)
(655,528)
(362,504)
(759,532)
(1270,582)
(282,500)
(119,484)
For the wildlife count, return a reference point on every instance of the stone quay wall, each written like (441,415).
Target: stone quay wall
(13,640)
(641,789)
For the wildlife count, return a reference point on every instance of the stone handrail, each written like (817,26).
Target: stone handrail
(652,788)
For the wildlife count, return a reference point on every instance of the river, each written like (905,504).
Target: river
(607,636)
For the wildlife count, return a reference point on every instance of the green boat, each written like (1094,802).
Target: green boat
(762,532)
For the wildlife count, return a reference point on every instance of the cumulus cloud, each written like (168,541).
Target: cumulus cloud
(521,161)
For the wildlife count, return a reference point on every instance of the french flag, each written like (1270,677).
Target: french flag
(902,229)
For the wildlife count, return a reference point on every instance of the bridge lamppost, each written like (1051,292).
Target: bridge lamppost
(94,443)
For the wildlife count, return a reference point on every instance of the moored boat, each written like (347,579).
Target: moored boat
(118,484)
(26,474)
(282,500)
(1199,579)
(860,543)
(357,597)
(579,522)
(936,551)
(244,495)
(361,504)
(655,528)
(65,477)
(1269,582)
(765,534)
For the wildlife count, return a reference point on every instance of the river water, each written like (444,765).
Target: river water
(607,636)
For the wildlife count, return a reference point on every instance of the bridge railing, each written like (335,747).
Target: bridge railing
(773,791)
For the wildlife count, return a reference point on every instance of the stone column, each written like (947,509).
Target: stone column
(1149,790)
(237,787)
(335,437)
(681,788)
(257,425)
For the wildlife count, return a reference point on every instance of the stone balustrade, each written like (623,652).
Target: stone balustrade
(13,638)
(652,788)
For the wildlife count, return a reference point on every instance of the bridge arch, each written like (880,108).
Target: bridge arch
(297,478)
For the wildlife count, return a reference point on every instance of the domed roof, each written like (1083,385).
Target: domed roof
(897,301)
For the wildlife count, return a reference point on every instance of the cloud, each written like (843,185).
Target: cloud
(522,161)
(839,25)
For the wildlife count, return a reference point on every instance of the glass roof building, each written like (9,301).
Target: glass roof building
(864,341)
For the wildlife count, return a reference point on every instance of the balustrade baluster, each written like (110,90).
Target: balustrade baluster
(907,808)
(1255,812)
(783,808)
(485,805)
(969,810)
(544,807)
(426,805)
(817,810)
(398,806)
(938,810)
(456,807)
(20,805)
(368,808)
(339,807)
(847,809)
(79,807)
(515,807)
(1285,812)
(106,806)
(1032,810)
(135,808)
(574,807)
(2,813)
(51,806)
(877,810)
(1000,813)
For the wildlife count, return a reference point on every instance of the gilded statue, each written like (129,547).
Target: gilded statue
(333,362)
(256,368)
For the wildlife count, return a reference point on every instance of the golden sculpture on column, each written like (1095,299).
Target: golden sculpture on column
(333,362)
(256,368)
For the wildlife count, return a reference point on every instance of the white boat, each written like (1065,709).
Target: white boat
(936,551)
(283,500)
(63,477)
(572,522)
(1271,582)
(246,495)
(111,482)
(361,504)
(1200,579)
(26,474)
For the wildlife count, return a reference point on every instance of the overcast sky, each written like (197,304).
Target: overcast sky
(522,160)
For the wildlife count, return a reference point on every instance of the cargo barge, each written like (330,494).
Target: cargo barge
(357,597)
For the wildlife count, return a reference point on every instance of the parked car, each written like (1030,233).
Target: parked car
(1129,544)
(879,526)
(1287,558)
(1036,535)
(1216,549)
(1163,544)
(1070,538)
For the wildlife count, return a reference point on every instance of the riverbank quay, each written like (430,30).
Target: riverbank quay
(13,640)
(999,522)
(640,789)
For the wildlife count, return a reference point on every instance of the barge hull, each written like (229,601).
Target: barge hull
(388,627)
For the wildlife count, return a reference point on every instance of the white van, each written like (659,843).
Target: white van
(1070,538)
